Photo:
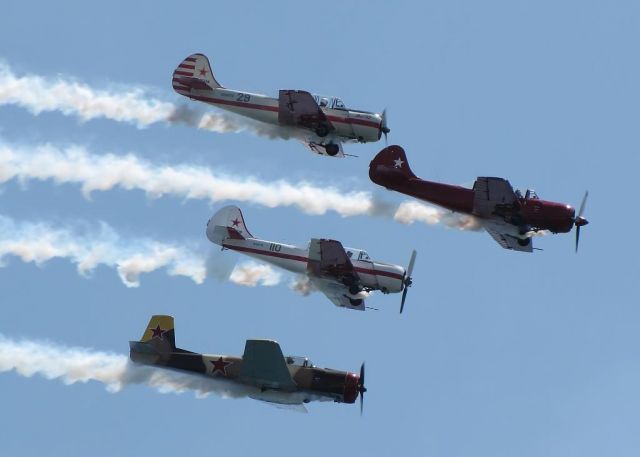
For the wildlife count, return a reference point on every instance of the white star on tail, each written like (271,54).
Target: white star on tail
(398,163)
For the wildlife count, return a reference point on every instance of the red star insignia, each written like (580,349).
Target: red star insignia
(157,332)
(220,365)
(203,71)
(236,222)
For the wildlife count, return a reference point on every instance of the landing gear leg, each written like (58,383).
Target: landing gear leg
(322,130)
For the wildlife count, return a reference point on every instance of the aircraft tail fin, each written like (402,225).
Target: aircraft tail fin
(227,223)
(158,341)
(194,72)
(390,166)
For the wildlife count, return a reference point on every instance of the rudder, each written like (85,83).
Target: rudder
(194,72)
(160,327)
(390,164)
(227,222)
(157,344)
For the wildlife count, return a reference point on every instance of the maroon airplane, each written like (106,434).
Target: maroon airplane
(510,218)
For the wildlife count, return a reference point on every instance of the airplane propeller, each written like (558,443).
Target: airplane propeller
(407,279)
(579,221)
(383,126)
(361,388)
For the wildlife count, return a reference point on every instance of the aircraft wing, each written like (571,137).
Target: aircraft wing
(263,365)
(489,193)
(506,240)
(328,259)
(337,293)
(297,108)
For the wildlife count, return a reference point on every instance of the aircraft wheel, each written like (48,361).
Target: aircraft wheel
(322,130)
(354,290)
(525,242)
(332,149)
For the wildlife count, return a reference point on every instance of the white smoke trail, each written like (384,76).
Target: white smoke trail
(89,248)
(72,365)
(92,172)
(131,105)
(410,212)
(38,94)
(252,274)
(104,172)
(302,285)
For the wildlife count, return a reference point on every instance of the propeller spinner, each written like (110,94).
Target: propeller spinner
(579,221)
(407,279)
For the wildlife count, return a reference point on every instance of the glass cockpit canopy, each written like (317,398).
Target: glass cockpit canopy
(298,361)
(357,254)
(531,195)
(329,102)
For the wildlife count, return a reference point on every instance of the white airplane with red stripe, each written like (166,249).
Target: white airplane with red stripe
(324,122)
(345,275)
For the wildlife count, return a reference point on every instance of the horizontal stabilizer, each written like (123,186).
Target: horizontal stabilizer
(193,83)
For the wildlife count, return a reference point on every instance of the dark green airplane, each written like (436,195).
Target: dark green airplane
(277,379)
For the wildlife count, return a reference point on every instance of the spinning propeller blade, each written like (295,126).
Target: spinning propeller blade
(383,126)
(579,221)
(361,388)
(407,279)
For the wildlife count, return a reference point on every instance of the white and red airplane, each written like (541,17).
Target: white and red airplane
(344,275)
(325,122)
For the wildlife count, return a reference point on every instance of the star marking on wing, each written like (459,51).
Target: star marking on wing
(203,71)
(157,332)
(220,365)
(398,163)
(236,222)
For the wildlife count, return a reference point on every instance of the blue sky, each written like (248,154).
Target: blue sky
(497,353)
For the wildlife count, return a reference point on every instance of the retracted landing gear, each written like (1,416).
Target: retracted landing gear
(332,149)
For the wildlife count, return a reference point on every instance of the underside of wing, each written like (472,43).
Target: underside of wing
(337,293)
(264,366)
(321,148)
(297,407)
(297,108)
(508,241)
(491,193)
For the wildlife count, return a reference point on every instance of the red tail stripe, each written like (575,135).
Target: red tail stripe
(184,65)
(190,59)
(202,98)
(267,253)
(183,73)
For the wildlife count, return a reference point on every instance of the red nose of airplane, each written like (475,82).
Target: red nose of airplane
(351,383)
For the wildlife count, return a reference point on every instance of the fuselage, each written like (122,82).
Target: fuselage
(530,212)
(311,381)
(349,124)
(373,275)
